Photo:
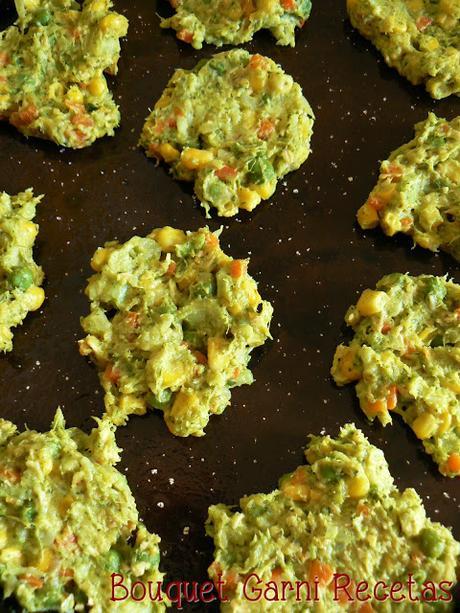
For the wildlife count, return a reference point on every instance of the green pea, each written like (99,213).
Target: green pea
(329,473)
(113,561)
(431,544)
(21,278)
(43,17)
(162,401)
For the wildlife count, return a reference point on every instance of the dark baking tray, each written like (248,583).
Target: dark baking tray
(306,251)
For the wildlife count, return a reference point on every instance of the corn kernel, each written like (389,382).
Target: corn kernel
(371,302)
(74,95)
(27,232)
(368,217)
(114,23)
(297,492)
(248,198)
(168,238)
(97,86)
(3,538)
(265,190)
(358,486)
(168,152)
(100,258)
(35,297)
(193,159)
(347,365)
(446,420)
(430,43)
(45,561)
(424,426)
(217,357)
(11,555)
(133,404)
(184,403)
(98,6)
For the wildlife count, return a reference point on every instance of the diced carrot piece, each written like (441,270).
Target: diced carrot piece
(171,269)
(236,373)
(257,61)
(66,572)
(366,607)
(10,474)
(247,6)
(277,573)
(457,313)
(376,203)
(112,374)
(171,122)
(394,171)
(4,59)
(392,398)
(226,172)
(200,357)
(423,22)
(362,509)
(212,241)
(237,268)
(82,119)
(386,328)
(266,128)
(374,408)
(321,572)
(24,116)
(289,5)
(453,463)
(132,319)
(406,222)
(33,581)
(185,36)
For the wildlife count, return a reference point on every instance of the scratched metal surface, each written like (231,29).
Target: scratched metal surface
(308,255)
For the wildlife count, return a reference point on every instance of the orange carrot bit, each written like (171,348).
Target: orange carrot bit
(423,22)
(386,328)
(236,373)
(363,509)
(457,313)
(266,129)
(24,116)
(289,5)
(376,203)
(237,268)
(407,222)
(366,607)
(200,357)
(257,61)
(10,474)
(453,464)
(4,59)
(212,241)
(66,572)
(171,269)
(82,119)
(376,407)
(320,572)
(112,374)
(226,173)
(132,319)
(185,36)
(33,581)
(392,398)
(277,573)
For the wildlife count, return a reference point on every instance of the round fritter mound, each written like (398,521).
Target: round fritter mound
(172,325)
(340,514)
(52,62)
(68,520)
(405,358)
(418,191)
(20,277)
(225,22)
(234,125)
(420,38)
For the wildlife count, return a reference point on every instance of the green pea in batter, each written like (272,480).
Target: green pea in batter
(20,277)
(172,325)
(52,64)
(405,360)
(224,22)
(234,126)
